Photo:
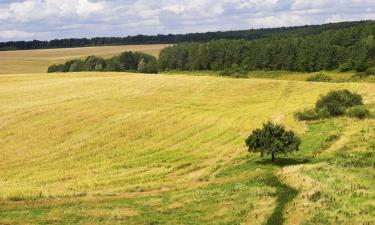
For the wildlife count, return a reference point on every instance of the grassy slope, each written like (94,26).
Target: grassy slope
(37,61)
(149,149)
(337,77)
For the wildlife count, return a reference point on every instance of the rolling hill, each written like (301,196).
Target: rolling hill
(121,148)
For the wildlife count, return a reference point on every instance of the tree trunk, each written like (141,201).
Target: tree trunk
(273,157)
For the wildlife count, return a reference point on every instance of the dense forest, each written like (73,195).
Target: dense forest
(251,34)
(127,61)
(351,48)
(346,49)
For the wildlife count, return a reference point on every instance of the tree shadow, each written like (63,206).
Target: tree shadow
(285,194)
(281,162)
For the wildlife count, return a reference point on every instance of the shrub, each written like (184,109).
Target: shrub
(308,114)
(359,75)
(76,66)
(370,71)
(319,78)
(226,73)
(113,64)
(55,68)
(312,114)
(323,113)
(345,67)
(359,112)
(361,65)
(336,102)
(234,73)
(150,67)
(272,139)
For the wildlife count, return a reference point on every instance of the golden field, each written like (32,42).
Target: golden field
(122,148)
(37,61)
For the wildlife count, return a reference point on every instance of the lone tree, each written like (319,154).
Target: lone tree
(273,139)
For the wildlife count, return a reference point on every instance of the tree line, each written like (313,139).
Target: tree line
(252,34)
(347,49)
(127,61)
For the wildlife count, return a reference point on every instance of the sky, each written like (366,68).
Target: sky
(56,19)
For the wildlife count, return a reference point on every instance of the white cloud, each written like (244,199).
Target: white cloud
(205,8)
(18,34)
(33,10)
(87,18)
(280,20)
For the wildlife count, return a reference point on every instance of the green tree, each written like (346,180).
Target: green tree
(76,66)
(273,139)
(141,66)
(151,67)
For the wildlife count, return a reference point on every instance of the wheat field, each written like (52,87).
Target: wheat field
(37,61)
(122,148)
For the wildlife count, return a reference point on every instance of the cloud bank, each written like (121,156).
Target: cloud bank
(48,19)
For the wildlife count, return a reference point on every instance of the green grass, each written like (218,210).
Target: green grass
(285,195)
(336,77)
(118,148)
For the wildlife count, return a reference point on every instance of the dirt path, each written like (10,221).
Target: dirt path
(301,208)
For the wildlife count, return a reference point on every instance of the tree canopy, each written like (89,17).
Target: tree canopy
(272,139)
(127,61)
(349,48)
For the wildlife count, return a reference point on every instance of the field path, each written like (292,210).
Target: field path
(301,207)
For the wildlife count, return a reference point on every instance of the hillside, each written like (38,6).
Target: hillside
(342,49)
(37,61)
(115,148)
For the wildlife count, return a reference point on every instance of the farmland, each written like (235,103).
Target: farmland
(37,61)
(122,148)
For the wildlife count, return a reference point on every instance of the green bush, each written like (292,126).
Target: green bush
(361,65)
(359,75)
(76,66)
(336,102)
(359,112)
(308,114)
(150,67)
(319,78)
(345,67)
(233,73)
(55,68)
(226,73)
(312,114)
(370,71)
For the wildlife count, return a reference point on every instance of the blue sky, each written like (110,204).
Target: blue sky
(49,19)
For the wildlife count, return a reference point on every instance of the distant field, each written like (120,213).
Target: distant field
(37,61)
(117,148)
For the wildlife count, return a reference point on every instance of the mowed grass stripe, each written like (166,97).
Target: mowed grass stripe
(92,130)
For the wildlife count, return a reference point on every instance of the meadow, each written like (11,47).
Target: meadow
(122,148)
(336,76)
(37,61)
